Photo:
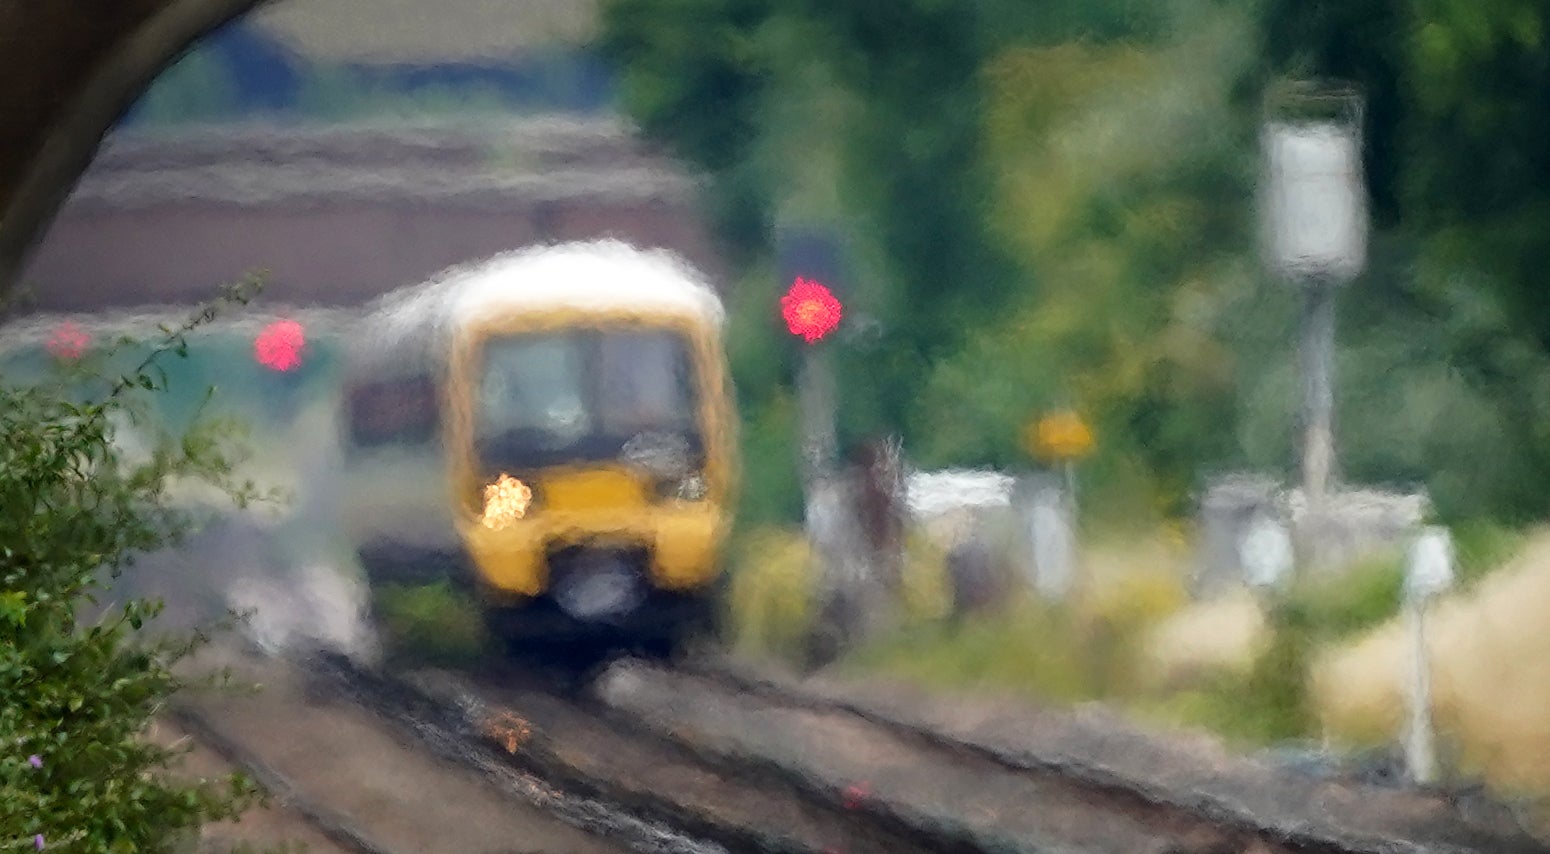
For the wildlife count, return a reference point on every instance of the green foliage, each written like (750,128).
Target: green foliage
(1481,546)
(1031,650)
(770,595)
(1458,171)
(692,75)
(1364,597)
(1053,205)
(432,622)
(82,679)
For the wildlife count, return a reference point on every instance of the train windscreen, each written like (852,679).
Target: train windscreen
(573,396)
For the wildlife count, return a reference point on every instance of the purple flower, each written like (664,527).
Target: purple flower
(35,761)
(37,842)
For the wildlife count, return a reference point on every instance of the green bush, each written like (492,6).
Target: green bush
(432,623)
(82,680)
(1355,600)
(769,605)
(1481,546)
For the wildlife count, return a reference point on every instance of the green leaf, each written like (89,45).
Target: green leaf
(13,607)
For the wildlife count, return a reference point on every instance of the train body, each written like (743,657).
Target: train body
(554,429)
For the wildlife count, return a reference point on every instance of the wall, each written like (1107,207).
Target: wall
(339,216)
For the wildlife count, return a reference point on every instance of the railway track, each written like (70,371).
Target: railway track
(701,758)
(1495,827)
(670,767)
(923,787)
(514,719)
(1210,825)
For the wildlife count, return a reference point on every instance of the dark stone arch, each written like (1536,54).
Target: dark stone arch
(75,70)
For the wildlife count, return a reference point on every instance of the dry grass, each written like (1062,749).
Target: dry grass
(1490,677)
(1220,636)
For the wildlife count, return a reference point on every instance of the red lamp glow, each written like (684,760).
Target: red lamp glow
(69,342)
(810,310)
(279,346)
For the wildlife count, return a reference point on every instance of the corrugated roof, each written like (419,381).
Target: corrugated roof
(300,183)
(422,140)
(417,32)
(493,163)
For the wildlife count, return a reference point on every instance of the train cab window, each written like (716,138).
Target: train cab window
(536,383)
(646,382)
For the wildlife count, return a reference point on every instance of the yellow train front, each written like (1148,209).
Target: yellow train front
(586,441)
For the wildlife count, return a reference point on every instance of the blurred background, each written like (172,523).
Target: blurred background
(1038,208)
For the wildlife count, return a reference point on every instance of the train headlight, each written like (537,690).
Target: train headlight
(689,488)
(505,501)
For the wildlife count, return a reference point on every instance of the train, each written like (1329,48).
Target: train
(554,431)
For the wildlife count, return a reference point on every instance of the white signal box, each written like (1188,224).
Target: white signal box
(1265,553)
(1429,569)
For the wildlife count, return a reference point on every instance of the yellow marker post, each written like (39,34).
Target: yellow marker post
(1060,437)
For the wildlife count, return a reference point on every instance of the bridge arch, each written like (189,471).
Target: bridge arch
(71,83)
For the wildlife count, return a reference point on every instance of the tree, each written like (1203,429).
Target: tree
(1461,179)
(80,686)
(692,74)
(1137,244)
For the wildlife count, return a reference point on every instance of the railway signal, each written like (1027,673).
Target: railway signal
(811,310)
(278,347)
(68,342)
(808,259)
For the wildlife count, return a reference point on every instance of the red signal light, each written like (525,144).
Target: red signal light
(69,342)
(279,346)
(811,311)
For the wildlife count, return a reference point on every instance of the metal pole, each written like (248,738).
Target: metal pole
(1318,358)
(1420,750)
(816,397)
(828,521)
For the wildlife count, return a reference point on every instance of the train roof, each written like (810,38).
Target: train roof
(601,275)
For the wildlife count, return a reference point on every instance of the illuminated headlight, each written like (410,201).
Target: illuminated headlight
(690,488)
(505,501)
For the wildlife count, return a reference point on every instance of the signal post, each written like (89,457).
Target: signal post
(811,312)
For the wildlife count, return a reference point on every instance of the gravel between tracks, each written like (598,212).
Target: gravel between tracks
(574,743)
(344,761)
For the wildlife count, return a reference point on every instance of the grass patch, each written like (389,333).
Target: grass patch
(1096,647)
(433,623)
(1028,649)
(1364,596)
(770,604)
(1481,546)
